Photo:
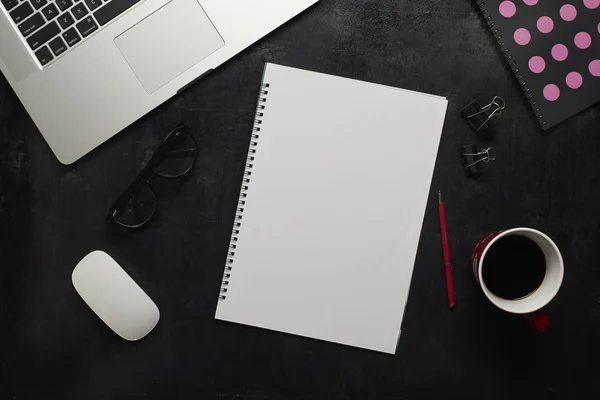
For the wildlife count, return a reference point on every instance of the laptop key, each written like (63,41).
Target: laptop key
(93,4)
(79,11)
(9,4)
(50,11)
(71,37)
(66,20)
(57,46)
(113,9)
(32,24)
(21,12)
(37,4)
(64,4)
(43,35)
(87,26)
(44,55)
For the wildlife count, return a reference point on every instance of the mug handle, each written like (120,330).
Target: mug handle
(538,321)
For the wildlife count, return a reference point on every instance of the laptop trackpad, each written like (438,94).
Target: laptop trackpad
(169,42)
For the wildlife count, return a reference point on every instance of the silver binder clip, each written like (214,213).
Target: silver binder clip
(477,117)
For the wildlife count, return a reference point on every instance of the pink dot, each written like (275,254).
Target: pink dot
(545,24)
(591,4)
(551,92)
(595,68)
(583,40)
(574,80)
(568,12)
(537,64)
(508,9)
(560,52)
(522,36)
(530,2)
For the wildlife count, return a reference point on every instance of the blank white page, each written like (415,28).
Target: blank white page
(334,209)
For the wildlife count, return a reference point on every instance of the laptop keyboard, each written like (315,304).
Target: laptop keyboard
(51,27)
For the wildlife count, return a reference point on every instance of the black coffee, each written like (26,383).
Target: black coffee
(514,267)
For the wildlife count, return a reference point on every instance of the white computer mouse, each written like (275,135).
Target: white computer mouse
(114,296)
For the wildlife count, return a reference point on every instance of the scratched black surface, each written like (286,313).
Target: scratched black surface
(52,346)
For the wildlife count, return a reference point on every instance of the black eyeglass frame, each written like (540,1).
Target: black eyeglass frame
(148,174)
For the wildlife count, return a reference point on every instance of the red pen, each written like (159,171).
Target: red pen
(446,250)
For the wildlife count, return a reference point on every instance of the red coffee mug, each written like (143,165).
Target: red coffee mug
(530,306)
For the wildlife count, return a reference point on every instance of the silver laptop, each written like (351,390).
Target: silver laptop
(86,69)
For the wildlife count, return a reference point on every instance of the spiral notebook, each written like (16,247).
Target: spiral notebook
(553,48)
(331,208)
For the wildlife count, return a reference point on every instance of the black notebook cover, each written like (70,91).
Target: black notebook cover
(553,48)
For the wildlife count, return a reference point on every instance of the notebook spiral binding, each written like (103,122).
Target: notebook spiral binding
(237,224)
(511,62)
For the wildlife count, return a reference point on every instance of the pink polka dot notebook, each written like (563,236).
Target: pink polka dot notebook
(553,48)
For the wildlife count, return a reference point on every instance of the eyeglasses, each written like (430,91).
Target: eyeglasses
(173,159)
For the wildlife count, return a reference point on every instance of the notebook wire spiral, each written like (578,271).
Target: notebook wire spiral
(511,62)
(237,224)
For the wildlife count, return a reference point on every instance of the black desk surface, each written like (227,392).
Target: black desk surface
(52,346)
